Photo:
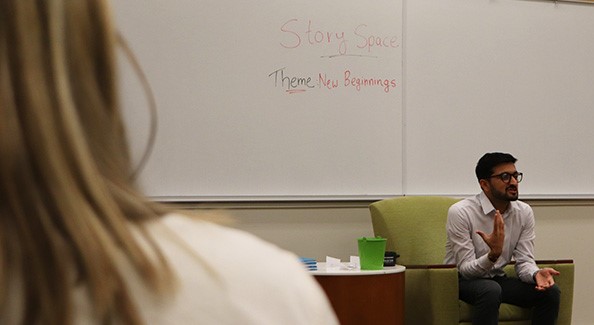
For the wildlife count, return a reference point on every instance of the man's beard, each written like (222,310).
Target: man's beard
(506,196)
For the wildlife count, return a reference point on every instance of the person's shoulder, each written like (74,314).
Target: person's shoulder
(235,252)
(522,206)
(465,211)
(465,204)
(260,282)
(221,239)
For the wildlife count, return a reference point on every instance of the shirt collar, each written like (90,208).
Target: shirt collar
(488,207)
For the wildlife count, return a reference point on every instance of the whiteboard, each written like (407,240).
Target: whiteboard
(506,75)
(266,100)
(470,77)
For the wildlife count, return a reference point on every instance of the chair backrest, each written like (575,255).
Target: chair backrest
(414,227)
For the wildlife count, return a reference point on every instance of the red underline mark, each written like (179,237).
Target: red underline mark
(295,91)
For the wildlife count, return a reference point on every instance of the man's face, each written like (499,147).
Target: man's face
(498,188)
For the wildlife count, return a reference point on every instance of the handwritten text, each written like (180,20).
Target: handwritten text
(300,83)
(298,33)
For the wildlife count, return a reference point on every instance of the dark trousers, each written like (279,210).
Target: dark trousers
(485,296)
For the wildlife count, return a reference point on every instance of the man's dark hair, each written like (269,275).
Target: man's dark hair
(484,167)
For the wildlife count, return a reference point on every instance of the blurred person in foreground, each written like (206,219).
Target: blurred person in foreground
(78,243)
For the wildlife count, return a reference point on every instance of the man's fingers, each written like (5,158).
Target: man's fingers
(498,224)
(482,234)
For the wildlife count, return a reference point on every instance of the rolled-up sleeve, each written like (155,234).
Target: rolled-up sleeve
(524,251)
(460,232)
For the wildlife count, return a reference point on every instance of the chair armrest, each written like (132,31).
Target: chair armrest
(565,281)
(431,294)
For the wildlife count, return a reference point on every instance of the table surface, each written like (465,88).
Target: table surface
(343,270)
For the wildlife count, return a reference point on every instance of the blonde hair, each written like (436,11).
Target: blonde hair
(66,200)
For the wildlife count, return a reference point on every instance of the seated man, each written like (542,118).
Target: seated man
(487,231)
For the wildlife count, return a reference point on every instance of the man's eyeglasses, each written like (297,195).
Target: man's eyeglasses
(506,177)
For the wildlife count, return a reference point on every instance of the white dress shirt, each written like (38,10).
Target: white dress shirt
(467,249)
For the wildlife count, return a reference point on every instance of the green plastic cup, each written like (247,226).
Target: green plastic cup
(371,253)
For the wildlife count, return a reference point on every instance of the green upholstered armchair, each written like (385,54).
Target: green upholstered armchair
(415,229)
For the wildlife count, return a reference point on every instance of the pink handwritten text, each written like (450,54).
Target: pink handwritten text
(298,34)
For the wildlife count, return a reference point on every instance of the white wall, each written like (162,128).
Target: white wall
(564,230)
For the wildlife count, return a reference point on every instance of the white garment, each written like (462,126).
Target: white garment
(466,249)
(227,276)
